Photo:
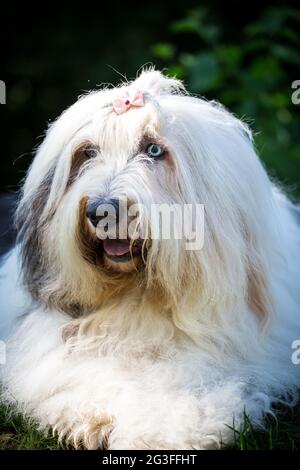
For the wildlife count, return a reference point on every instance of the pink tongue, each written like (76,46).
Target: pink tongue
(116,247)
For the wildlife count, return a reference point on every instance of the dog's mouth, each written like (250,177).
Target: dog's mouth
(120,251)
(117,254)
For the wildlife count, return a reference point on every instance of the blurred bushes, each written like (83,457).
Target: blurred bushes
(50,58)
(246,57)
(250,73)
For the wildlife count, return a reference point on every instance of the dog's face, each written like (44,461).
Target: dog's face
(121,165)
(173,150)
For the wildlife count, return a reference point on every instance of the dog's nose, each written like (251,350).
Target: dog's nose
(97,209)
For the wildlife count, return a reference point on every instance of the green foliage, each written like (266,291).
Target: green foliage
(251,73)
(280,434)
(18,433)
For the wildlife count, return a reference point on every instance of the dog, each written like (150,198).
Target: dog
(140,342)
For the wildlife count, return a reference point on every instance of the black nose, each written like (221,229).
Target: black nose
(97,209)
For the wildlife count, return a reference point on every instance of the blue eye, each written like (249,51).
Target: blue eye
(155,151)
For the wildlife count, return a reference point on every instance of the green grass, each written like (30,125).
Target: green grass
(284,434)
(17,433)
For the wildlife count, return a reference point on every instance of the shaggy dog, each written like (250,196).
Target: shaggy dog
(140,343)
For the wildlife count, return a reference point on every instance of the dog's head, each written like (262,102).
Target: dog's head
(108,151)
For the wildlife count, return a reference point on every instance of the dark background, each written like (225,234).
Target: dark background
(244,54)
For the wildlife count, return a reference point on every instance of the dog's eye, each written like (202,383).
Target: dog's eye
(90,152)
(155,151)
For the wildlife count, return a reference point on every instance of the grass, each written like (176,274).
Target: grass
(17,433)
(284,434)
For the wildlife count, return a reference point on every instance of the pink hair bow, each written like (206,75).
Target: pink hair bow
(135,99)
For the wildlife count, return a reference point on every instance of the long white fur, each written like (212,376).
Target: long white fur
(175,373)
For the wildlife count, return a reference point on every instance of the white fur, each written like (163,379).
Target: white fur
(14,301)
(171,373)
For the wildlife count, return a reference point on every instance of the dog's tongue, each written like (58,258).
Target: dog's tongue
(116,247)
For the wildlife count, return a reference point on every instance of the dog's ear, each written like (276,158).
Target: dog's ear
(258,278)
(259,297)
(30,227)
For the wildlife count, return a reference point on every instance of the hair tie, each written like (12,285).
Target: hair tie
(135,99)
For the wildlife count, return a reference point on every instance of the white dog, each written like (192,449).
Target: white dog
(143,344)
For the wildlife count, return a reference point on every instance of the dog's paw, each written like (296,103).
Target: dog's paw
(89,433)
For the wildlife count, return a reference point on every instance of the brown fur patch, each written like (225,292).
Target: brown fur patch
(80,155)
(258,296)
(89,245)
